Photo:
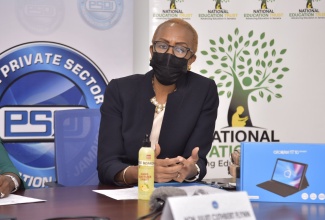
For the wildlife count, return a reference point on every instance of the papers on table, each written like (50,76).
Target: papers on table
(132,193)
(120,194)
(16,199)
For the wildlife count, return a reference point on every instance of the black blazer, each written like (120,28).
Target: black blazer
(127,115)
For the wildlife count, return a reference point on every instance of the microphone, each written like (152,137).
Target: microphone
(158,199)
(160,195)
(200,192)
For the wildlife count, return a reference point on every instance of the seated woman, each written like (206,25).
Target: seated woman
(176,107)
(10,180)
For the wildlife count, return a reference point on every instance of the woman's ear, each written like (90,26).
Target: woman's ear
(191,60)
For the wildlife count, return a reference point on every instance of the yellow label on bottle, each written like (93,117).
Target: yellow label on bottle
(146,173)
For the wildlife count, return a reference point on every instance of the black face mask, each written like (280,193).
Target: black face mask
(167,67)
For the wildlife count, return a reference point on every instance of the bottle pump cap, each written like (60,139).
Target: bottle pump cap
(146,141)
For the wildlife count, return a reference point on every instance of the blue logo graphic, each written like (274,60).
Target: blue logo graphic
(28,122)
(35,80)
(215,204)
(101,14)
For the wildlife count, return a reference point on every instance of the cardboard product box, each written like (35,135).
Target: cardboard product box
(283,172)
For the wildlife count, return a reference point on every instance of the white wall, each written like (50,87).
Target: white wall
(141,36)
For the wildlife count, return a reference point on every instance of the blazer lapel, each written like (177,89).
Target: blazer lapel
(173,106)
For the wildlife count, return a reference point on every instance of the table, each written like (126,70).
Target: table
(81,201)
(73,201)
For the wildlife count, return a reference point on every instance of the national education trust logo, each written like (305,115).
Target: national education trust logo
(310,11)
(246,68)
(101,14)
(251,69)
(173,11)
(218,13)
(264,11)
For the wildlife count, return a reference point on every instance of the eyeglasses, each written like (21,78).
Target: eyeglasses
(178,51)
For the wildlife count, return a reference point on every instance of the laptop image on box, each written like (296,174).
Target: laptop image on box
(288,178)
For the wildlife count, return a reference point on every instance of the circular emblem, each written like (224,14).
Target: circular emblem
(36,79)
(46,73)
(101,14)
(40,17)
(215,204)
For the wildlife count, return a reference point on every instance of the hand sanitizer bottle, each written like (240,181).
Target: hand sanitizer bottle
(146,168)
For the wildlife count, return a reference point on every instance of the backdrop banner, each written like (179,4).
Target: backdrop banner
(55,55)
(266,56)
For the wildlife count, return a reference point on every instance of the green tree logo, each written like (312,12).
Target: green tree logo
(263,4)
(218,5)
(172,4)
(250,69)
(309,4)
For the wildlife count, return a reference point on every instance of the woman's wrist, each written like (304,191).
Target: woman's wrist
(124,176)
(127,176)
(194,177)
(15,181)
(132,175)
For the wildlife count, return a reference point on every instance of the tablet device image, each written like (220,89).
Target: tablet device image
(288,178)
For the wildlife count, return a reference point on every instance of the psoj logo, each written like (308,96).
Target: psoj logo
(40,17)
(218,12)
(44,74)
(37,79)
(309,12)
(252,69)
(101,14)
(173,11)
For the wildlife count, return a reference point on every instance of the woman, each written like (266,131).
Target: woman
(177,107)
(9,176)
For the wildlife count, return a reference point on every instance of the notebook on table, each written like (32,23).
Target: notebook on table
(288,178)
